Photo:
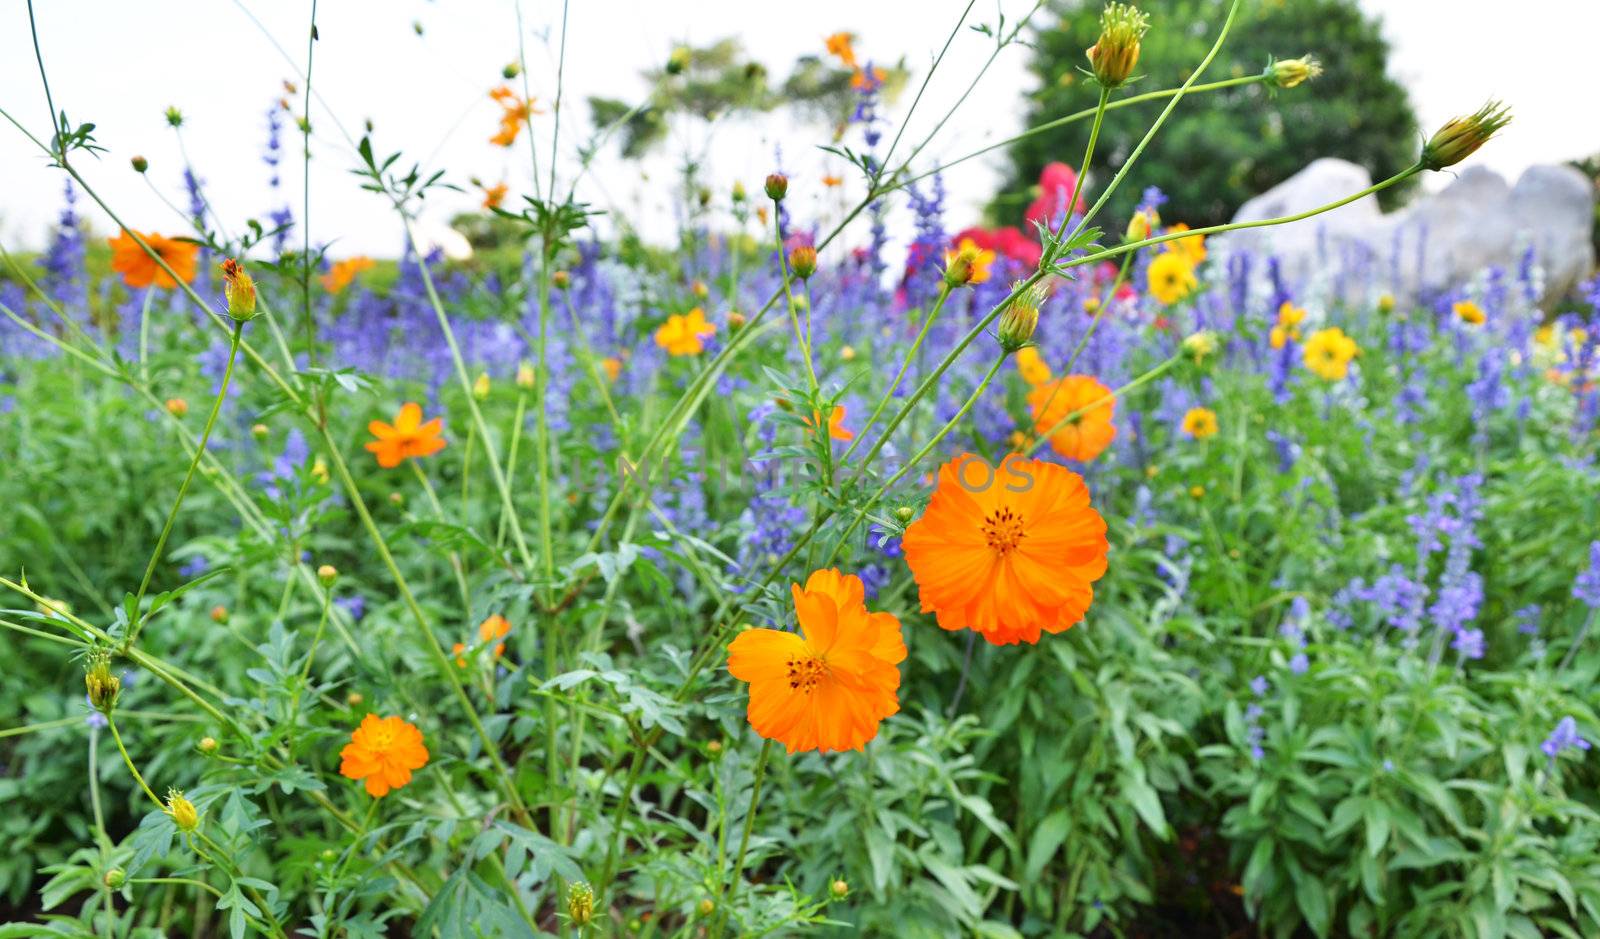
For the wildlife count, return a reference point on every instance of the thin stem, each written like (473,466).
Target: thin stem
(905,366)
(172,516)
(305,207)
(111,722)
(1577,641)
(788,294)
(749,824)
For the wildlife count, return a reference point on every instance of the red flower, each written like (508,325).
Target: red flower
(1056,183)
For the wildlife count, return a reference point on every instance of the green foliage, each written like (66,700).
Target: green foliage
(1223,147)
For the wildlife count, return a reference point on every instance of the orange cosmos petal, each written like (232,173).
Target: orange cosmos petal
(763,654)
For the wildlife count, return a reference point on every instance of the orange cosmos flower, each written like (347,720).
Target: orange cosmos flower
(407,437)
(1192,247)
(495,627)
(685,334)
(839,44)
(383,752)
(494,196)
(514,112)
(832,181)
(836,428)
(828,686)
(139,269)
(1032,366)
(1007,553)
(342,273)
(1084,437)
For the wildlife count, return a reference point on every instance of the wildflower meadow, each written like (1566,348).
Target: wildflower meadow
(1052,573)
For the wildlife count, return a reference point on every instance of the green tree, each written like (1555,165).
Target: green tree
(1220,148)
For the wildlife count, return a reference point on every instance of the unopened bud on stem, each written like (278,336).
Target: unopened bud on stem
(1116,52)
(1460,137)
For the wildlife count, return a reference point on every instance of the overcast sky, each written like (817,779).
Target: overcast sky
(121,64)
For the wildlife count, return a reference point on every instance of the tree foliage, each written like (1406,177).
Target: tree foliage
(1221,147)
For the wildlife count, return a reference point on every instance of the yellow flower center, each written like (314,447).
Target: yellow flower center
(1003,530)
(805,671)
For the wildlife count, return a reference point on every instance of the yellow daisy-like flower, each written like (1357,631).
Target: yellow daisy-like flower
(1328,353)
(1199,423)
(1287,328)
(686,333)
(1171,277)
(1470,313)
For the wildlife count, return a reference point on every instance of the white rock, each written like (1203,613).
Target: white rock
(1436,243)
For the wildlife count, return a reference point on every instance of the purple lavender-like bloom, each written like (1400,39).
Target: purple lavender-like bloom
(1260,686)
(354,605)
(1299,664)
(1469,643)
(194,567)
(1528,620)
(1587,585)
(1564,737)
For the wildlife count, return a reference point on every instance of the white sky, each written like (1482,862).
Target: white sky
(120,64)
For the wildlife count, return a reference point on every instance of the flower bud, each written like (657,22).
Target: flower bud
(580,903)
(512,70)
(182,811)
(847,353)
(480,387)
(102,685)
(115,878)
(174,117)
(525,377)
(1287,73)
(240,291)
(840,889)
(738,191)
(259,431)
(1020,319)
(319,470)
(140,164)
(219,614)
(1200,345)
(327,573)
(207,745)
(1116,52)
(177,407)
(397,499)
(1143,222)
(735,319)
(803,258)
(777,187)
(904,513)
(700,290)
(714,747)
(1386,303)
(678,61)
(354,699)
(1461,136)
(707,907)
(561,280)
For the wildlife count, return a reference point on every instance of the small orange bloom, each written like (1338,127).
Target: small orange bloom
(1085,436)
(839,45)
(494,196)
(836,428)
(832,181)
(407,437)
(514,112)
(139,269)
(495,627)
(342,273)
(383,751)
(1007,553)
(685,334)
(1032,366)
(828,686)
(612,366)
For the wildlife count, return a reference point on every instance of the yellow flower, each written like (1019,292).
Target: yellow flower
(1032,366)
(1200,423)
(685,334)
(1328,353)
(1288,327)
(1171,276)
(1192,247)
(1469,312)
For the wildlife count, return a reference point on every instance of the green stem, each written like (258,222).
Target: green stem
(905,366)
(788,294)
(172,516)
(749,825)
(111,722)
